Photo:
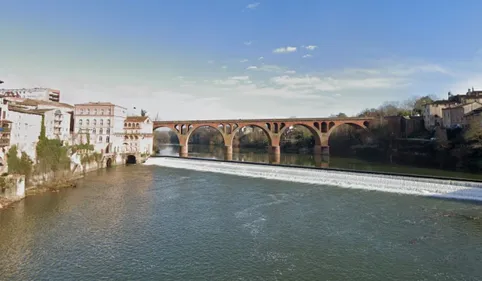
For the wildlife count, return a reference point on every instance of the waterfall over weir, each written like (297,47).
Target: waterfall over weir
(442,188)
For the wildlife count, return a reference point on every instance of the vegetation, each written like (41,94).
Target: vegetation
(51,154)
(16,165)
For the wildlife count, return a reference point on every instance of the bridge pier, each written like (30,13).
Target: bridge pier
(321,150)
(183,151)
(275,149)
(275,158)
(228,152)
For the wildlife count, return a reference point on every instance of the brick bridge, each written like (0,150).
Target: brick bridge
(321,128)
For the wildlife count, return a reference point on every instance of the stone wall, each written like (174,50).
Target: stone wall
(12,187)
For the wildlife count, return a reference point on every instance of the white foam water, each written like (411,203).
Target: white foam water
(453,189)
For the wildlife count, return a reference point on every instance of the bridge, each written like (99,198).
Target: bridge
(321,128)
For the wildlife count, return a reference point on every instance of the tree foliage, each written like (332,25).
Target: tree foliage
(16,165)
(51,154)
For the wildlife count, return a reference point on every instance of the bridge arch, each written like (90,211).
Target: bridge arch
(264,129)
(315,133)
(338,139)
(217,129)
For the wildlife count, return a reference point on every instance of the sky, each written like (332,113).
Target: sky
(219,59)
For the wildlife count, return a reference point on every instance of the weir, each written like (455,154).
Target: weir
(432,187)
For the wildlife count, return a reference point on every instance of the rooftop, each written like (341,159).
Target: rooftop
(136,118)
(26,110)
(98,104)
(32,102)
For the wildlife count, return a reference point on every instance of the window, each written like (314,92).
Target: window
(101,112)
(93,131)
(102,122)
(88,111)
(95,111)
(87,122)
(81,111)
(100,138)
(80,122)
(95,122)
(101,131)
(107,139)
(108,122)
(125,124)
(107,131)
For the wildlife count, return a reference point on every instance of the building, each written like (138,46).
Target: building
(57,116)
(404,126)
(138,135)
(469,97)
(44,94)
(25,128)
(473,115)
(455,116)
(432,113)
(101,124)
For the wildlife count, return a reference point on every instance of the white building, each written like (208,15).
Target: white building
(138,135)
(25,128)
(57,116)
(44,94)
(102,123)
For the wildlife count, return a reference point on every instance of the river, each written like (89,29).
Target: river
(156,223)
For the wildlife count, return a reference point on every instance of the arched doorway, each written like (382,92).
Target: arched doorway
(108,163)
(131,159)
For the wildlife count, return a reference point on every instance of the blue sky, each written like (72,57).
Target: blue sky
(193,59)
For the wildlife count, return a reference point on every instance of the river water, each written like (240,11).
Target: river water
(156,223)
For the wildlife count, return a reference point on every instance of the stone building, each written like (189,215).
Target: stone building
(101,124)
(455,116)
(138,135)
(432,113)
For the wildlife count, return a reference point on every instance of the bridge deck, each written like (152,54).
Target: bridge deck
(265,120)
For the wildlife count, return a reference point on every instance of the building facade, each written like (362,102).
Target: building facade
(455,116)
(25,129)
(101,124)
(44,94)
(57,116)
(138,135)
(433,115)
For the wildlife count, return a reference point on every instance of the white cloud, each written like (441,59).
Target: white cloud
(242,78)
(271,68)
(311,47)
(248,43)
(243,61)
(260,58)
(330,84)
(307,56)
(284,50)
(290,72)
(252,67)
(253,6)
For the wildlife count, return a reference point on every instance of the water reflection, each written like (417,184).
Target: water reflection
(309,160)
